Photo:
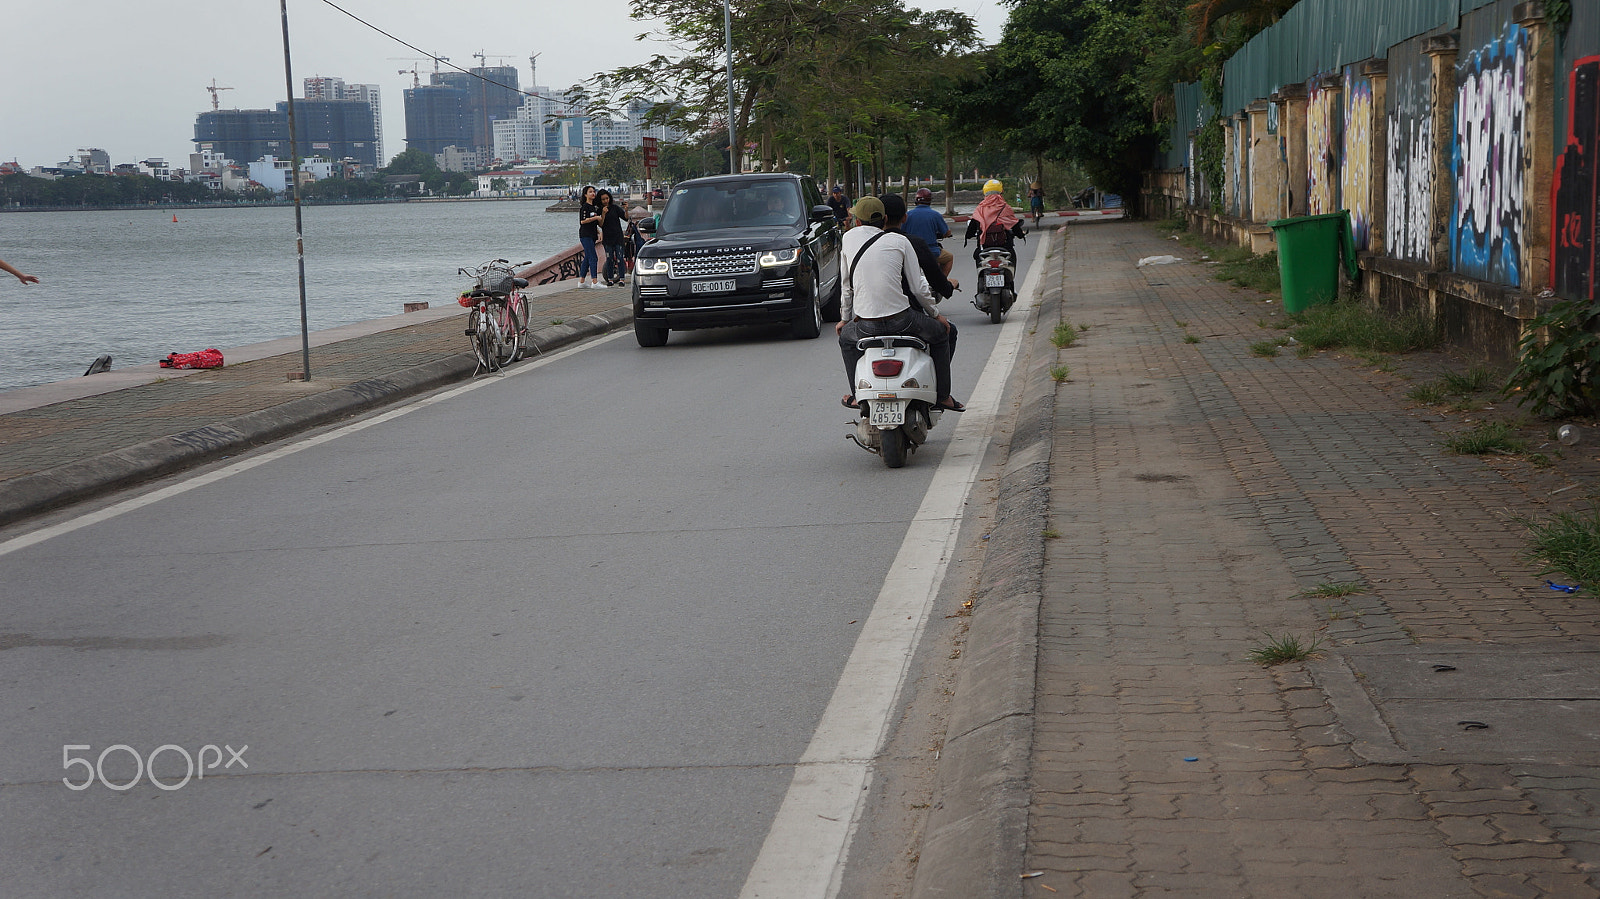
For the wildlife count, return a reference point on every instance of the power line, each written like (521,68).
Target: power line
(444,59)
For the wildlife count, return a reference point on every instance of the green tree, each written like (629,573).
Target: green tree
(619,165)
(412,162)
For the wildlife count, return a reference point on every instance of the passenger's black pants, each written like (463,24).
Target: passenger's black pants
(914,322)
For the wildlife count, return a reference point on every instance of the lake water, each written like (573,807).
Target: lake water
(136,285)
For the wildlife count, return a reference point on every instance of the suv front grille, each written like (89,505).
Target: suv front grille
(721,264)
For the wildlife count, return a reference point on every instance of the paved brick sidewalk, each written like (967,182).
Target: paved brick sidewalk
(1198,491)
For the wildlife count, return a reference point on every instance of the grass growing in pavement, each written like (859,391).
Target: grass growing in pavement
(1567,543)
(1466,385)
(1064,335)
(1483,438)
(1190,338)
(1287,648)
(1350,324)
(1428,394)
(1475,380)
(1329,589)
(1246,269)
(1059,373)
(1265,348)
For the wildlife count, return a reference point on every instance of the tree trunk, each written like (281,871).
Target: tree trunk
(831,182)
(949,178)
(905,186)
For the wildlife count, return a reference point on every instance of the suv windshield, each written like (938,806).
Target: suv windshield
(706,207)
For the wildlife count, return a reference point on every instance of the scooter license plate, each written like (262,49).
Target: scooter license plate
(888,413)
(994,280)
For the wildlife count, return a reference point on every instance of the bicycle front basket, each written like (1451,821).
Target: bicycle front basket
(496,281)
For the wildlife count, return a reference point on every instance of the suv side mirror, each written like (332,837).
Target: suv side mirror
(647,225)
(821,213)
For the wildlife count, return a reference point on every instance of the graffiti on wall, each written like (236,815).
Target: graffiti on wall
(1408,156)
(1241,167)
(1355,175)
(1193,179)
(1322,149)
(1577,187)
(1487,160)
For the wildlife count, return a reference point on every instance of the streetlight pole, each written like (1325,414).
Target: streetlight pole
(733,135)
(294,177)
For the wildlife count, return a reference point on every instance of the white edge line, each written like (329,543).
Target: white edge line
(87,519)
(804,854)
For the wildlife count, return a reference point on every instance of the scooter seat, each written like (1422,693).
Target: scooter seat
(892,340)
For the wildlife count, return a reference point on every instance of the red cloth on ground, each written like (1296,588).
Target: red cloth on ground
(211,358)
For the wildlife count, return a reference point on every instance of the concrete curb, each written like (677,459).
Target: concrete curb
(41,491)
(977,836)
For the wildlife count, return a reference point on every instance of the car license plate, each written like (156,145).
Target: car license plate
(713,286)
(994,280)
(888,413)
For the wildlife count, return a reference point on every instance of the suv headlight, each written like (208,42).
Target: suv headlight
(651,266)
(773,258)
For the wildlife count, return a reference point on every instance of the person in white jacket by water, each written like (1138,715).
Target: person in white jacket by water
(885,292)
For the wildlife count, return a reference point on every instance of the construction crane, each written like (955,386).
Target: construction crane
(483,58)
(533,70)
(214,91)
(415,70)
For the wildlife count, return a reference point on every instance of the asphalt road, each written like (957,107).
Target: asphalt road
(563,633)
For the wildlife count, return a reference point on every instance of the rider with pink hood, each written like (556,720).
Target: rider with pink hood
(994,223)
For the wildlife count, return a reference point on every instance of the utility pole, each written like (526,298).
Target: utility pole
(733,129)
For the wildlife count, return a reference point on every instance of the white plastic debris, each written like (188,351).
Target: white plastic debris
(1158,260)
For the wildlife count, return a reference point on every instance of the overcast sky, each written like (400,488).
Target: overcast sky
(130,77)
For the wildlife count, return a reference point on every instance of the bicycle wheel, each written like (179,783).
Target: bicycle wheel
(483,342)
(510,323)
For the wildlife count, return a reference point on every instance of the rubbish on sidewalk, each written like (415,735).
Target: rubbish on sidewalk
(103,364)
(1565,588)
(1158,260)
(1569,435)
(211,358)
(1032,874)
(1191,758)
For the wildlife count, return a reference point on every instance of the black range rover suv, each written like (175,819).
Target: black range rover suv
(738,250)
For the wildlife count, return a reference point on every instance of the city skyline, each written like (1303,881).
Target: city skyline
(140,73)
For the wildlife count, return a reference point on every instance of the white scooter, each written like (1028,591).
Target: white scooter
(897,392)
(997,284)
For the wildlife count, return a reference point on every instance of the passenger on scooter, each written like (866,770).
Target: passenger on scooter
(939,282)
(885,292)
(923,221)
(994,223)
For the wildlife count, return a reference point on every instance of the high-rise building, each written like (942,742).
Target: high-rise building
(491,95)
(328,88)
(534,130)
(437,116)
(333,129)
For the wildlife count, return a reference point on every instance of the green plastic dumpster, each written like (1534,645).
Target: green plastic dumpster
(1310,249)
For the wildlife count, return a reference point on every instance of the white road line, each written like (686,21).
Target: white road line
(804,854)
(211,477)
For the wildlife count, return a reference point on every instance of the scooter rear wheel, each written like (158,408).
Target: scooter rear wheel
(997,309)
(893,448)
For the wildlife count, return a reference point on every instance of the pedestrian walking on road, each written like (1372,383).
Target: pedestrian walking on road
(26,279)
(588,234)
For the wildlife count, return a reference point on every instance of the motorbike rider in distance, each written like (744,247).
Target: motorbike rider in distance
(885,292)
(994,223)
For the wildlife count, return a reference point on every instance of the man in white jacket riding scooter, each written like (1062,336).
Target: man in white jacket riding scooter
(885,292)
